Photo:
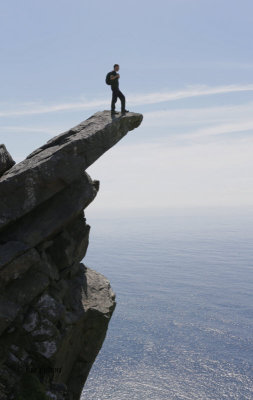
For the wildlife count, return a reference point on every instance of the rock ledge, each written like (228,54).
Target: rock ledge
(54,310)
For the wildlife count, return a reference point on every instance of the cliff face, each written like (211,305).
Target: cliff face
(54,311)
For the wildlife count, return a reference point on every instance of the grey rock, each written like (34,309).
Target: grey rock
(8,379)
(92,301)
(99,295)
(40,224)
(47,348)
(31,321)
(70,245)
(13,361)
(6,161)
(51,395)
(60,162)
(54,311)
(8,312)
(10,250)
(27,287)
(19,265)
(49,308)
(45,331)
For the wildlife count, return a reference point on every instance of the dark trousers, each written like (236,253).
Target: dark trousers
(116,93)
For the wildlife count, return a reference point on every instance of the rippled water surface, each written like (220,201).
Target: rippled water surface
(183,325)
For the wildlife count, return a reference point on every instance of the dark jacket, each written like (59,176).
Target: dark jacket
(115,82)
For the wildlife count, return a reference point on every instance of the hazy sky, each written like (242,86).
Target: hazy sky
(186,65)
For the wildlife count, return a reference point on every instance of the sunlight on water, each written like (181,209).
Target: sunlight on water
(182,328)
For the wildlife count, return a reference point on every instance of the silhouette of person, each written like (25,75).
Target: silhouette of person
(116,93)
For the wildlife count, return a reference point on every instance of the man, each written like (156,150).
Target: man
(116,93)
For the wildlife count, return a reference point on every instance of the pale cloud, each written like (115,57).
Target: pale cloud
(191,173)
(154,175)
(200,64)
(220,129)
(209,166)
(192,116)
(202,122)
(133,99)
(213,120)
(16,129)
(190,91)
(41,109)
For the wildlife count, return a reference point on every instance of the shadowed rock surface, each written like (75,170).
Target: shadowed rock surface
(54,311)
(6,161)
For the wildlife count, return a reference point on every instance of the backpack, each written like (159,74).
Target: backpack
(107,79)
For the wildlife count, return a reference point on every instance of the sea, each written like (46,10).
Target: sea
(183,324)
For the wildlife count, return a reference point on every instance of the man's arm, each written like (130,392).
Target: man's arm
(114,76)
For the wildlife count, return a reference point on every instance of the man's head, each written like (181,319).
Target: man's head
(116,67)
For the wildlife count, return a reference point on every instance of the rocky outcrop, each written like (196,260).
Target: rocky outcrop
(6,161)
(54,310)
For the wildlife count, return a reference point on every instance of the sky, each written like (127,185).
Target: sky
(186,65)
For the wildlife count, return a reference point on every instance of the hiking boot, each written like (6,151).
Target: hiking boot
(113,112)
(124,111)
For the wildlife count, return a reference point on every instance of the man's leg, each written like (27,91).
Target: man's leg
(123,100)
(114,99)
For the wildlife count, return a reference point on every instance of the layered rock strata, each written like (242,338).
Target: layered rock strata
(54,310)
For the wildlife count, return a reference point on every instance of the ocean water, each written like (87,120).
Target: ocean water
(183,325)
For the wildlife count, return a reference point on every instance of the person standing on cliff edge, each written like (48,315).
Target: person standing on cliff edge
(116,93)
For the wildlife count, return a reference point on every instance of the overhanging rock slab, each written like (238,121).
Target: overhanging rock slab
(59,162)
